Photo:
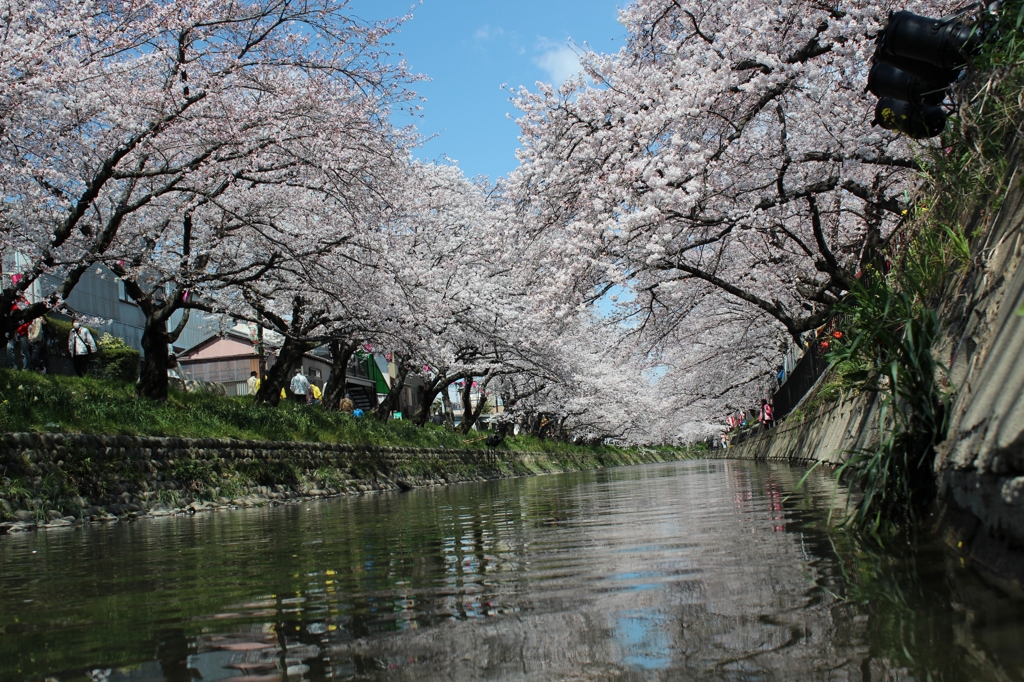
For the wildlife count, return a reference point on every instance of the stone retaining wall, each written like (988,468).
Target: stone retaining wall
(62,479)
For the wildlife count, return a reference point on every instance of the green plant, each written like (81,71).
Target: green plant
(268,472)
(60,493)
(168,497)
(330,477)
(890,337)
(117,360)
(195,473)
(959,248)
(234,484)
(14,489)
(15,492)
(58,331)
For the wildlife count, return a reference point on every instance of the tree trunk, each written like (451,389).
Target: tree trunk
(153,382)
(446,403)
(430,392)
(469,415)
(153,378)
(465,398)
(538,424)
(422,413)
(334,391)
(560,432)
(383,410)
(278,375)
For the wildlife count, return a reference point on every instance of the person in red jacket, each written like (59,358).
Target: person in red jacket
(18,339)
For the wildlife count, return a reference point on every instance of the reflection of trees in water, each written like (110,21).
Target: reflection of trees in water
(924,615)
(929,617)
(798,602)
(706,570)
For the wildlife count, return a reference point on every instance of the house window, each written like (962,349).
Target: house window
(122,294)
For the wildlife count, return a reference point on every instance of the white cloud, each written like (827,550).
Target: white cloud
(560,63)
(485,32)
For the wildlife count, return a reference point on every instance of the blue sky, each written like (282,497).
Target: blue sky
(469,48)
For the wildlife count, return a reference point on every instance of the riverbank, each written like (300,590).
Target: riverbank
(59,480)
(974,515)
(62,404)
(824,436)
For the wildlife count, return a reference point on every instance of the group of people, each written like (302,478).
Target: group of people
(765,417)
(303,391)
(30,339)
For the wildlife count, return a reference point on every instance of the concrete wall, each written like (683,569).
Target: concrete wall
(825,436)
(981,463)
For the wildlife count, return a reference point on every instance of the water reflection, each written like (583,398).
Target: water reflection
(699,570)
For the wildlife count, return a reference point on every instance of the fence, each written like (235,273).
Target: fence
(811,366)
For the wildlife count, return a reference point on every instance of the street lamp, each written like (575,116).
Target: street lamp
(944,43)
(918,122)
(916,61)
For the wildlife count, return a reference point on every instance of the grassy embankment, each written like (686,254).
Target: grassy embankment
(33,402)
(890,318)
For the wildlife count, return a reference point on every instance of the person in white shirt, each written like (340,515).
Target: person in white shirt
(253,382)
(299,386)
(80,346)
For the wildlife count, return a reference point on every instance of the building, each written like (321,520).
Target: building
(101,299)
(229,358)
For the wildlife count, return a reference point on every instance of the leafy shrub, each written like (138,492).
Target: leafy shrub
(890,340)
(268,473)
(234,484)
(117,360)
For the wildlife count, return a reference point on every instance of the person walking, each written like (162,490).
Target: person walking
(299,386)
(38,333)
(314,396)
(347,406)
(253,382)
(18,340)
(80,346)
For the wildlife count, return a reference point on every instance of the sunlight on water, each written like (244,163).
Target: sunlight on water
(696,570)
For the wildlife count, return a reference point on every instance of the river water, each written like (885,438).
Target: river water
(703,570)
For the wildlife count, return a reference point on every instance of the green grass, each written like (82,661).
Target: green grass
(34,402)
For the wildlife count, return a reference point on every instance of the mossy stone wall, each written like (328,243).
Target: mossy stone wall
(69,477)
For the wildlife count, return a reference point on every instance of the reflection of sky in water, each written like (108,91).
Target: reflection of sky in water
(643,639)
(636,575)
(579,580)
